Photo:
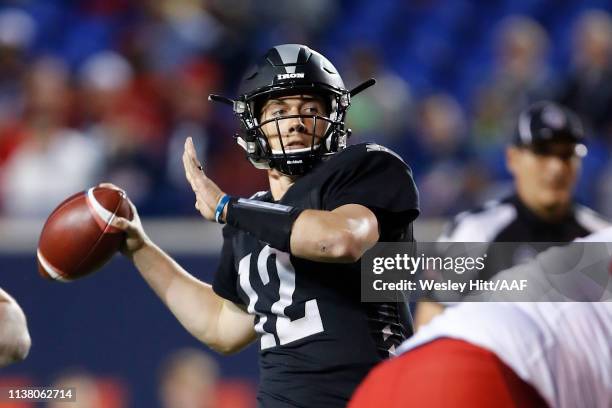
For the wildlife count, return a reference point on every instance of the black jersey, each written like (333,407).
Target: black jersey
(317,339)
(510,220)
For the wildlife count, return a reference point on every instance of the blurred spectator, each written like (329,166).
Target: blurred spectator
(85,390)
(588,87)
(187,92)
(140,73)
(299,21)
(16,32)
(233,172)
(520,74)
(17,29)
(54,160)
(89,391)
(176,32)
(126,125)
(383,112)
(188,379)
(441,158)
(312,15)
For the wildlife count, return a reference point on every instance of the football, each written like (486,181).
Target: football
(77,238)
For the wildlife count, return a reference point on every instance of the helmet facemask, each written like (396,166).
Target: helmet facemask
(326,136)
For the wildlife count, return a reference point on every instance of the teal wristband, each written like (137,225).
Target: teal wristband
(220,206)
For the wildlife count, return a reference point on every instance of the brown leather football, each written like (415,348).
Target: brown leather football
(77,238)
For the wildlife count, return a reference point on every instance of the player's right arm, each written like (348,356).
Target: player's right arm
(14,336)
(219,323)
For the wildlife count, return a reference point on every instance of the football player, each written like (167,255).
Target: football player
(289,272)
(14,336)
(513,354)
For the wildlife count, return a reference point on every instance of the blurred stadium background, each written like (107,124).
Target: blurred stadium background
(109,89)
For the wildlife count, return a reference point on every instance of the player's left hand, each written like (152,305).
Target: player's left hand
(206,191)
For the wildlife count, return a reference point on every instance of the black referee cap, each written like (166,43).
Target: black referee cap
(545,122)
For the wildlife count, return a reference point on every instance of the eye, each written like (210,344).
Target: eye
(313,110)
(278,112)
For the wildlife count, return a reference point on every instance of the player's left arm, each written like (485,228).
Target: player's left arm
(341,235)
(14,336)
(361,207)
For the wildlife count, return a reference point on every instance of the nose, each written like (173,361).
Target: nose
(296,125)
(556,163)
(556,166)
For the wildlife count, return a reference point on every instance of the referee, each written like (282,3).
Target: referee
(544,159)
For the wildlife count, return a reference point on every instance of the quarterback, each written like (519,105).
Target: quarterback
(289,271)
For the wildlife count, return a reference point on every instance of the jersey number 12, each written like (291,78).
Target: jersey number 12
(287,330)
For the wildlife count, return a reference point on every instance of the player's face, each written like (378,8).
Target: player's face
(545,176)
(296,132)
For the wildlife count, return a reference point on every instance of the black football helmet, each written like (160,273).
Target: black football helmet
(292,69)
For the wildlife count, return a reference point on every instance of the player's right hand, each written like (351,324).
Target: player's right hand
(136,237)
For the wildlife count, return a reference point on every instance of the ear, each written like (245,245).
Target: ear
(512,159)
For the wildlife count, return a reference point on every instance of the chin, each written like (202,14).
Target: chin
(555,199)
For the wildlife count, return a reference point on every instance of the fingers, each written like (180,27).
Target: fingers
(131,204)
(192,157)
(195,176)
(186,165)
(201,185)
(135,216)
(121,223)
(190,148)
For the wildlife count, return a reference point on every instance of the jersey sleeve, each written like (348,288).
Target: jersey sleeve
(375,177)
(224,283)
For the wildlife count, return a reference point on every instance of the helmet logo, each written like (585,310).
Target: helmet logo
(553,117)
(290,76)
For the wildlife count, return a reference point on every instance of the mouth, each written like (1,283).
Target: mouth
(295,143)
(296,147)
(557,186)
